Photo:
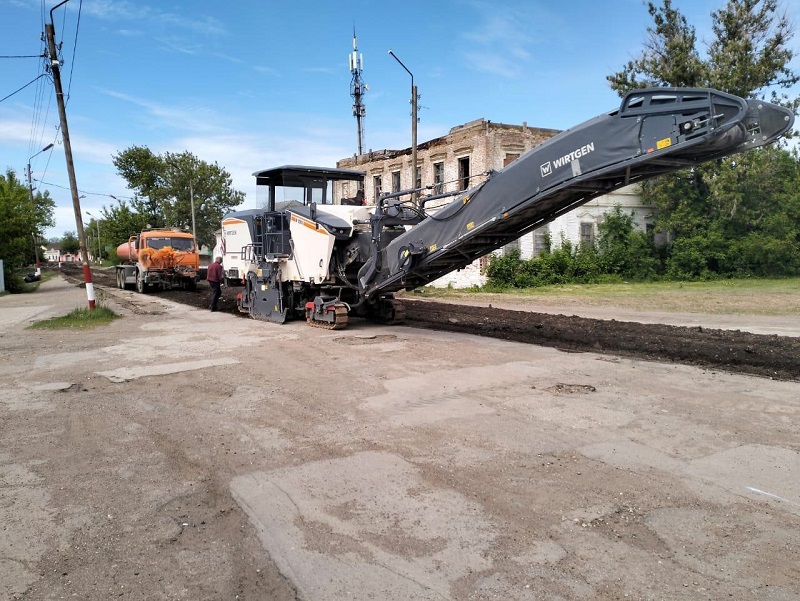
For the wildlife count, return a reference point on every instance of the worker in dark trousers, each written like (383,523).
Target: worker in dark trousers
(214,277)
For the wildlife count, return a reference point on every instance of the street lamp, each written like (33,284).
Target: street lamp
(97,223)
(413,130)
(33,205)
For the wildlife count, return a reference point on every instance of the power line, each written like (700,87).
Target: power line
(22,56)
(115,196)
(74,47)
(22,88)
(36,114)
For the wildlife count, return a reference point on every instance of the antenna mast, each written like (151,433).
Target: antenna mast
(357,90)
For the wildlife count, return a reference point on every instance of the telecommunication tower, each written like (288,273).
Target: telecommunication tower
(357,90)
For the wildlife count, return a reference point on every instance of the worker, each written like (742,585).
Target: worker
(214,277)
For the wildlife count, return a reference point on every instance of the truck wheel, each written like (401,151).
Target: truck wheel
(141,286)
(120,279)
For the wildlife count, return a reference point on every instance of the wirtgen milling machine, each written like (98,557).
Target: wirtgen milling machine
(323,261)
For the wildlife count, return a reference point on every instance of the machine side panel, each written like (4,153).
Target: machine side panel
(312,247)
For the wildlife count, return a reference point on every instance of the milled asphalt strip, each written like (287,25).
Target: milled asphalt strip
(124,374)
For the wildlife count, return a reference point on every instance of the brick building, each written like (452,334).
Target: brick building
(461,160)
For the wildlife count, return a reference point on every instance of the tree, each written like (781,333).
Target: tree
(707,208)
(69,243)
(624,250)
(21,223)
(670,57)
(167,186)
(750,54)
(120,222)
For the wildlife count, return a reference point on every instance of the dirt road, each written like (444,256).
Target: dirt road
(183,454)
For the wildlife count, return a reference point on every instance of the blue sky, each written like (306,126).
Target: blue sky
(252,85)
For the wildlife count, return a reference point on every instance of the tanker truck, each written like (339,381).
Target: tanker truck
(158,258)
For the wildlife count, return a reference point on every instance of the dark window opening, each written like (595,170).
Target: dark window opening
(541,240)
(463,173)
(510,158)
(395,181)
(438,178)
(587,234)
(376,183)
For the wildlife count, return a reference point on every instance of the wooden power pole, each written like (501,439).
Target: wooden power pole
(55,67)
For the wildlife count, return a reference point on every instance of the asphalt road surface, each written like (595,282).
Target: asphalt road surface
(184,454)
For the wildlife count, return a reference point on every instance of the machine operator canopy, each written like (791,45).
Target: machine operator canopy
(291,185)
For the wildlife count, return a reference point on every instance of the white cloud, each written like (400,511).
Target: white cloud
(122,10)
(502,42)
(160,116)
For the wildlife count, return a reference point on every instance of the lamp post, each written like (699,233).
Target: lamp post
(413,130)
(97,223)
(33,205)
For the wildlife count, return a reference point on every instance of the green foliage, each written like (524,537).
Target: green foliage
(670,56)
(752,50)
(697,257)
(168,185)
(622,252)
(738,215)
(69,243)
(21,224)
(118,224)
(562,265)
(80,318)
(757,254)
(750,53)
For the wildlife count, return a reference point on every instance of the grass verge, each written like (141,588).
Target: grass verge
(740,296)
(80,318)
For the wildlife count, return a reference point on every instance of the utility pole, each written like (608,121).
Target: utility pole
(357,90)
(55,68)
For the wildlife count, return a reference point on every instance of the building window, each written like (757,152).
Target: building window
(418,179)
(541,241)
(510,158)
(438,178)
(587,234)
(376,183)
(483,264)
(463,173)
(395,181)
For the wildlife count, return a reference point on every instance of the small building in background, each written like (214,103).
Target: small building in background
(52,254)
(462,159)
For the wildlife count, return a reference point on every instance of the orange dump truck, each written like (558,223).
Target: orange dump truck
(158,259)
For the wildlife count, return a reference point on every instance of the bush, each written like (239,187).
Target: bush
(757,255)
(563,265)
(623,250)
(699,257)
